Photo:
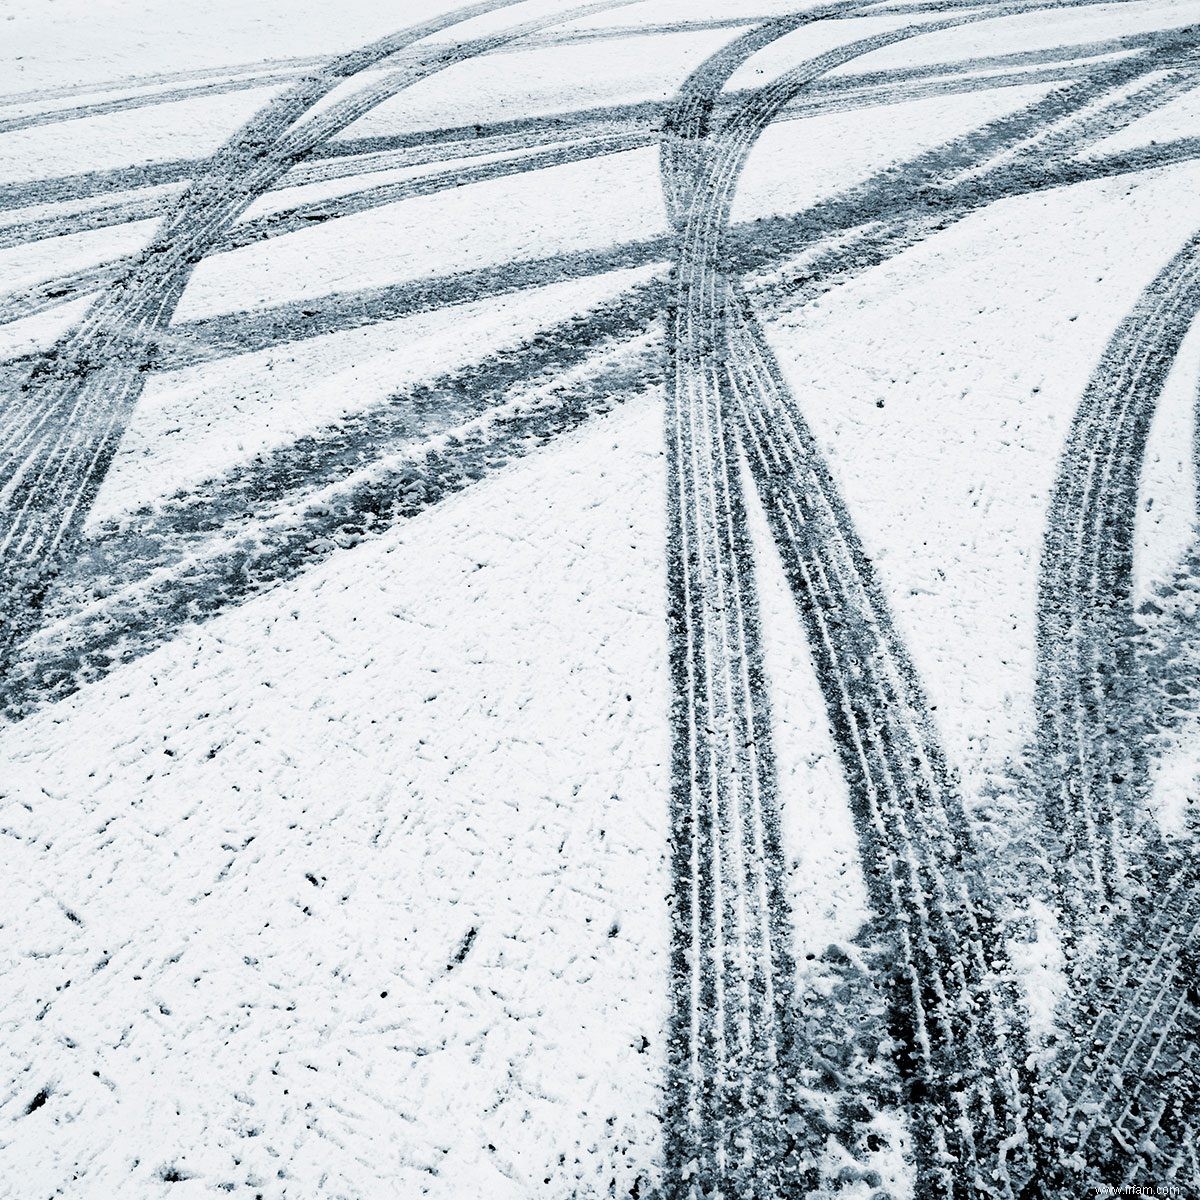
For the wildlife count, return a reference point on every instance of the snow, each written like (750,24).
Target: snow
(61,208)
(362,886)
(1175,782)
(417,746)
(90,44)
(526,83)
(1043,30)
(949,479)
(827,889)
(574,207)
(1166,518)
(39,332)
(811,41)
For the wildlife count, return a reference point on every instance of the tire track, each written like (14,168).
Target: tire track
(1085,609)
(61,289)
(97,108)
(337,160)
(727,818)
(1129,1098)
(649,116)
(305,216)
(157,536)
(60,433)
(734,1058)
(210,339)
(874,243)
(136,587)
(961,1050)
(104,215)
(89,184)
(160,79)
(804,522)
(1129,901)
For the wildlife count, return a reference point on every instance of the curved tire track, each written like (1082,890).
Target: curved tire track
(1129,901)
(961,1047)
(1085,607)
(60,433)
(961,1050)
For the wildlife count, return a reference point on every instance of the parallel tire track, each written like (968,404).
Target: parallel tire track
(1129,901)
(733,1104)
(135,588)
(60,433)
(1085,607)
(959,1050)
(963,1077)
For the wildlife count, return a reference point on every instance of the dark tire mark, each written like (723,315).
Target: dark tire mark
(1085,610)
(103,215)
(1129,902)
(99,183)
(61,431)
(50,293)
(963,1052)
(137,587)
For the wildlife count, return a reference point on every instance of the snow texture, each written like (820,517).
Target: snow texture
(599,600)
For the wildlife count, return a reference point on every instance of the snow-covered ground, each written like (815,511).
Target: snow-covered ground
(598,600)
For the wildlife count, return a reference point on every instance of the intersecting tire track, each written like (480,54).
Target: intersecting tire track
(724,1047)
(60,432)
(639,122)
(963,1051)
(884,215)
(182,528)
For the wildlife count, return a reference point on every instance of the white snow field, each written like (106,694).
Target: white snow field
(599,600)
